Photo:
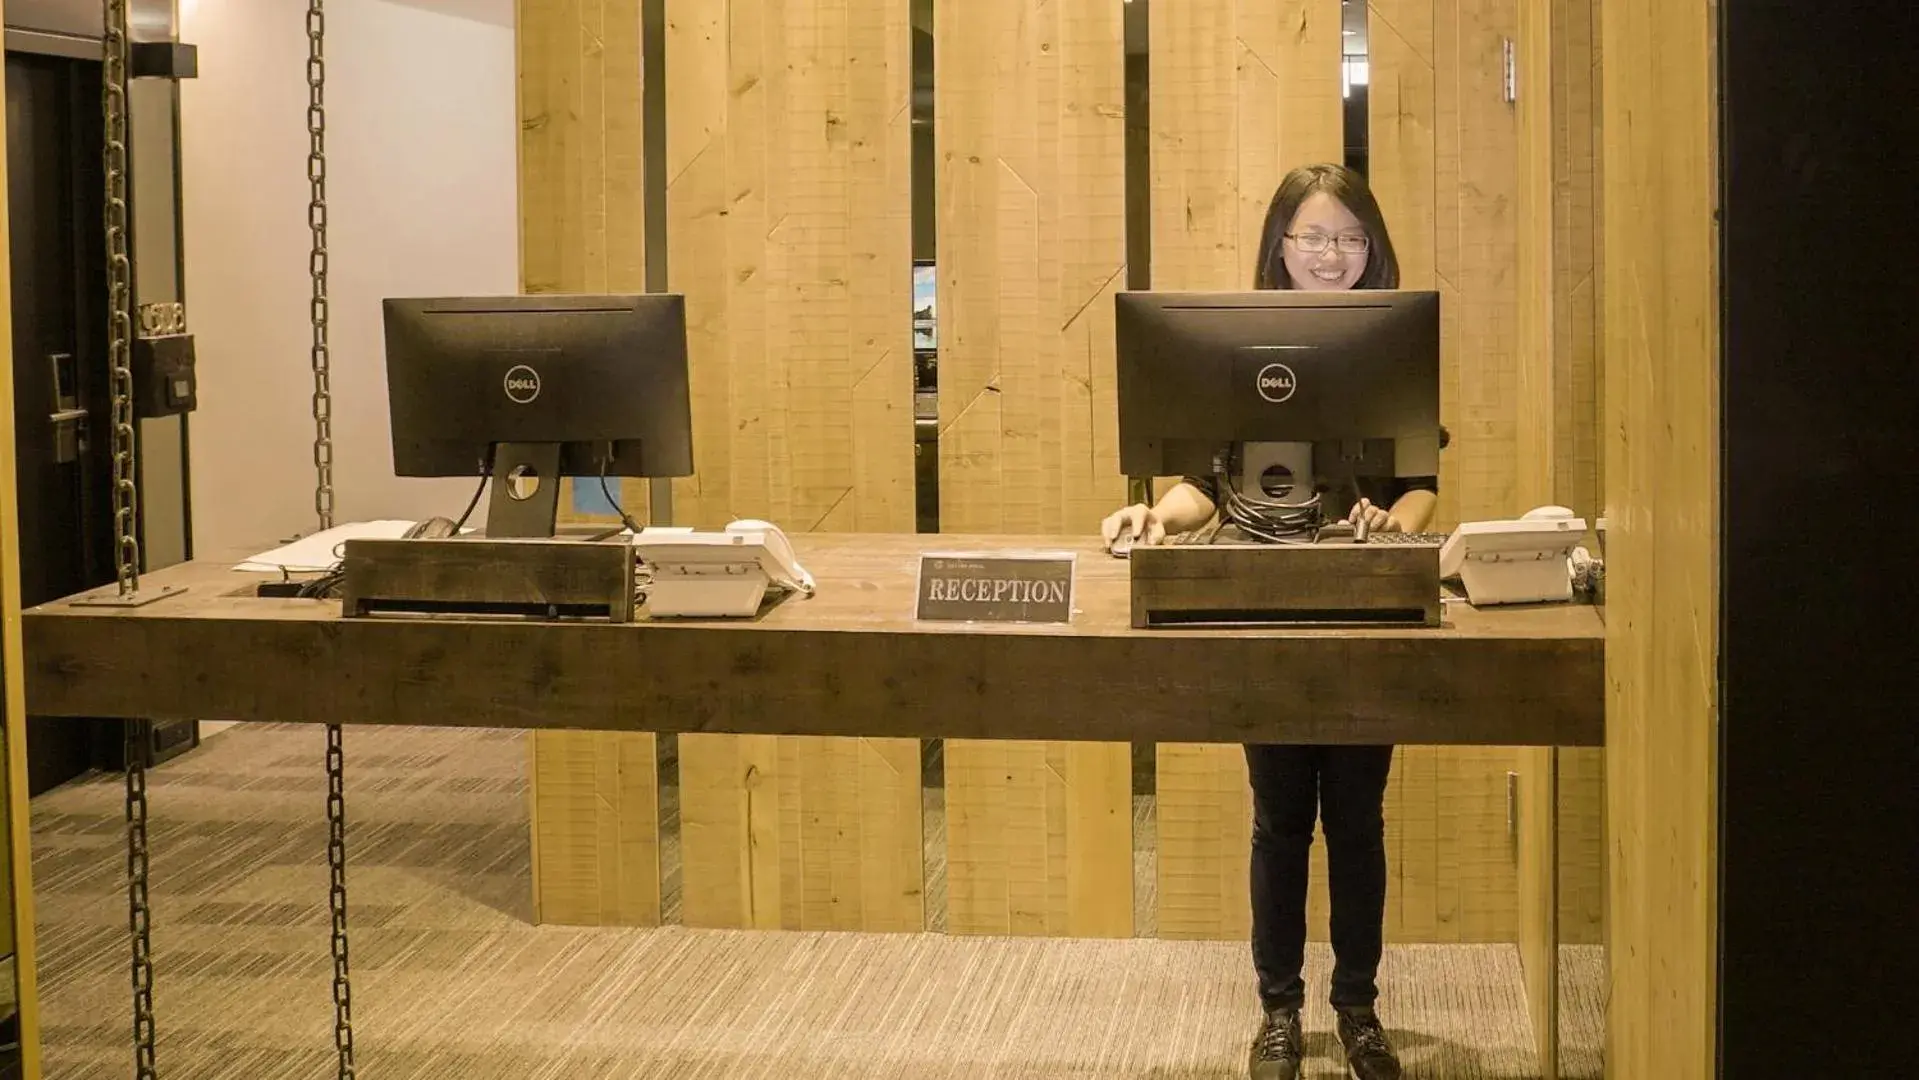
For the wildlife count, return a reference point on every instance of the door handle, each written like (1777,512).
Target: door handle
(67,418)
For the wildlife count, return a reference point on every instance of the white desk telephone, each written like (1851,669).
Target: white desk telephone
(1515,562)
(718,574)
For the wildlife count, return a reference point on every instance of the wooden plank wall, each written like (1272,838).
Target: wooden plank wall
(594,795)
(16,862)
(1661,290)
(1445,165)
(582,216)
(1561,872)
(1242,92)
(1029,116)
(788,169)
(1577,392)
(1535,265)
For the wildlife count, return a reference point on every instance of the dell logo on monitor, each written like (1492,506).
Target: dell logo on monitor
(522,384)
(1277,382)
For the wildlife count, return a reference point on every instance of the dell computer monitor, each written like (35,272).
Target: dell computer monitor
(1205,373)
(528,389)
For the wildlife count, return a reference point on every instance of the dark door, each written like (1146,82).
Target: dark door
(62,437)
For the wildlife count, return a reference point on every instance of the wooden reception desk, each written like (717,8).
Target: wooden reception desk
(827,832)
(850,661)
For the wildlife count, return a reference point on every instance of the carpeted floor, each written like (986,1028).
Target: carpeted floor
(450,981)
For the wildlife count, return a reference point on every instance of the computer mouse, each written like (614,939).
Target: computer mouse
(1548,513)
(1122,545)
(433,528)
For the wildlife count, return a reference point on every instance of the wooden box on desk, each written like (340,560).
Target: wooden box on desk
(1246,584)
(469,576)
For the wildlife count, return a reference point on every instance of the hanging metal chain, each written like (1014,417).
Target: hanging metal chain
(126,506)
(317,263)
(119,297)
(336,863)
(323,506)
(139,738)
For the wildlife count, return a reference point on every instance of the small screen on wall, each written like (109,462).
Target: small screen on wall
(924,336)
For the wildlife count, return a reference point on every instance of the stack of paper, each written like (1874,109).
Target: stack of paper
(322,550)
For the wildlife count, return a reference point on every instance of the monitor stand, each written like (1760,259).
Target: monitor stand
(510,514)
(1291,460)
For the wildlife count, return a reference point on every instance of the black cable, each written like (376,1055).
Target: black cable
(1263,519)
(475,501)
(625,520)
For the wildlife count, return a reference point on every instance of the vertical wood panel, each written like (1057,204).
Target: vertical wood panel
(582,216)
(788,202)
(1030,115)
(1540,118)
(1538,900)
(596,832)
(17,875)
(1030,146)
(1032,828)
(1444,163)
(1400,129)
(801,833)
(1661,287)
(1576,388)
(596,848)
(1242,92)
(1205,840)
(1582,847)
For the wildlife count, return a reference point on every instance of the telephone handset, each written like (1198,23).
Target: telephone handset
(786,568)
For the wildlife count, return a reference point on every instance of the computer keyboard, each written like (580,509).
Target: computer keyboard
(1206,535)
(1400,539)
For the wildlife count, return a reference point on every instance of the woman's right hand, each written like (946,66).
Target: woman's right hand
(1137,521)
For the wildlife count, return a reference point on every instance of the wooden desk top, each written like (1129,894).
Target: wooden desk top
(850,661)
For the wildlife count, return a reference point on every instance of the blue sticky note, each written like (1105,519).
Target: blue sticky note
(590,501)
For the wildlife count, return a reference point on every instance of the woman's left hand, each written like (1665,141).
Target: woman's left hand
(1376,518)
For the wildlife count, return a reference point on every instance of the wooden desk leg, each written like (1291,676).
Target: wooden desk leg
(1039,838)
(595,813)
(1536,838)
(801,832)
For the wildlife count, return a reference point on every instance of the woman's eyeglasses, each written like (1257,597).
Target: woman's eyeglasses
(1314,243)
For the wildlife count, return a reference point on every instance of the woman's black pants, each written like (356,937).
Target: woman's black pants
(1345,788)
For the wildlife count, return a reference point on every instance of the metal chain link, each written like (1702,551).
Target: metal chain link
(336,896)
(119,297)
(139,738)
(323,506)
(317,263)
(139,733)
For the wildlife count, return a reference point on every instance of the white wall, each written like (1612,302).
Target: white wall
(422,201)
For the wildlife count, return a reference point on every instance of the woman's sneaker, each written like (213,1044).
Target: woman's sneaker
(1369,1055)
(1276,1050)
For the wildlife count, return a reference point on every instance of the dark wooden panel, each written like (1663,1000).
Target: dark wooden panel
(1344,582)
(1816,753)
(488,576)
(850,662)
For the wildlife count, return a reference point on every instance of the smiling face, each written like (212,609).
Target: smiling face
(1323,221)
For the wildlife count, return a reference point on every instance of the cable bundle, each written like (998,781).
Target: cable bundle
(1270,520)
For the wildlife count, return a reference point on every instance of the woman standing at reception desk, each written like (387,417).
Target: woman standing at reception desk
(1323,231)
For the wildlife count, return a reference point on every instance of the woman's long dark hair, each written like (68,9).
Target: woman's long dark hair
(1342,183)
